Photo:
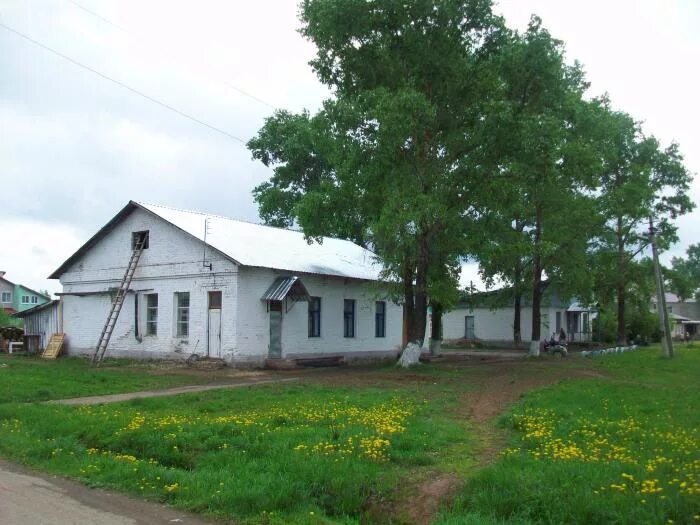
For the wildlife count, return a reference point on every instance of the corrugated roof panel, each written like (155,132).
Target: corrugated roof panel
(267,247)
(281,287)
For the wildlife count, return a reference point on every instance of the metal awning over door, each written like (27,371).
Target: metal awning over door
(289,289)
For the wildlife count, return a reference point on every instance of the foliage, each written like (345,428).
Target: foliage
(641,182)
(541,217)
(604,451)
(397,158)
(639,322)
(684,275)
(7,320)
(642,325)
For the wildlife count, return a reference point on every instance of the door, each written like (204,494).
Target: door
(214,325)
(469,327)
(275,329)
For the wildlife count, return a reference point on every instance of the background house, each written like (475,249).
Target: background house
(683,314)
(227,289)
(17,297)
(488,316)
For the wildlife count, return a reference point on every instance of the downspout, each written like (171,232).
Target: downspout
(137,336)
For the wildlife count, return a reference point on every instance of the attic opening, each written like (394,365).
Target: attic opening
(139,237)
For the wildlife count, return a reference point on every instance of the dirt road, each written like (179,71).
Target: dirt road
(29,498)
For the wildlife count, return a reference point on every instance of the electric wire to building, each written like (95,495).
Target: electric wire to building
(136,35)
(122,84)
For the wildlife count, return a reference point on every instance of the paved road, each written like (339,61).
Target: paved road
(114,398)
(29,498)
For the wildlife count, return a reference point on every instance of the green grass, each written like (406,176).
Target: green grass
(269,454)
(599,451)
(619,447)
(27,379)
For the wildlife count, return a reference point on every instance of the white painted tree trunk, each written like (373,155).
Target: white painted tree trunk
(534,349)
(410,356)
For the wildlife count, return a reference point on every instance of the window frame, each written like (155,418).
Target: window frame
(179,311)
(380,319)
(151,323)
(3,297)
(349,318)
(136,235)
(34,299)
(314,316)
(25,299)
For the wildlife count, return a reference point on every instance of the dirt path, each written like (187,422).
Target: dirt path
(114,398)
(492,381)
(28,498)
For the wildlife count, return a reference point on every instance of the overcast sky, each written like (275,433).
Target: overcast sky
(75,147)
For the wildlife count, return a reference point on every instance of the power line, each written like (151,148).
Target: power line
(122,84)
(123,29)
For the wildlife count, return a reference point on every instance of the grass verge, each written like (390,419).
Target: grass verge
(600,451)
(269,454)
(27,379)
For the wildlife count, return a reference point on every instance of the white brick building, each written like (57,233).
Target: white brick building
(490,318)
(248,293)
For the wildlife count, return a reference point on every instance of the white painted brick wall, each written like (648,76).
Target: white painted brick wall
(173,263)
(497,325)
(253,336)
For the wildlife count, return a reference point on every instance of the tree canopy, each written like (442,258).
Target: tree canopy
(448,136)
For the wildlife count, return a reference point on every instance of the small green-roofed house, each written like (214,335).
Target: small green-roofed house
(18,297)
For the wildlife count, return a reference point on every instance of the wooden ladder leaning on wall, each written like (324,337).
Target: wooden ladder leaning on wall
(118,302)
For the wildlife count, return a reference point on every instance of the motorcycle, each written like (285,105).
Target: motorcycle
(554,347)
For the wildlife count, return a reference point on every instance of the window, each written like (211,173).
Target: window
(6,297)
(139,236)
(349,318)
(151,314)
(35,299)
(314,317)
(25,299)
(182,314)
(558,321)
(380,319)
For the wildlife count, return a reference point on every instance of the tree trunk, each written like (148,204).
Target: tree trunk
(621,285)
(517,333)
(621,300)
(417,334)
(408,305)
(517,287)
(436,329)
(536,286)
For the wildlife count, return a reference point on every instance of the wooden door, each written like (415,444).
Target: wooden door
(214,325)
(275,333)
(469,327)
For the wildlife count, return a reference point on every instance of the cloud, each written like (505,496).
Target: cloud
(76,147)
(34,249)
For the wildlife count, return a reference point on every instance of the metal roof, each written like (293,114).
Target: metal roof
(255,245)
(284,287)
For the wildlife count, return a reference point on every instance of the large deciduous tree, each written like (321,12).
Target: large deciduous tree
(641,181)
(397,158)
(548,167)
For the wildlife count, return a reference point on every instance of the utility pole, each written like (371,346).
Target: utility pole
(666,341)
